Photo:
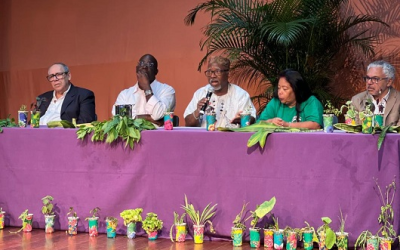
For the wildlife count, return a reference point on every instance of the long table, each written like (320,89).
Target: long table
(311,175)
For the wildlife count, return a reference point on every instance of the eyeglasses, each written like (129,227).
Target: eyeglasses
(217,72)
(56,76)
(373,79)
(145,64)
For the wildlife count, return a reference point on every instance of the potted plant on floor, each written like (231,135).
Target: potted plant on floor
(326,236)
(26,219)
(291,235)
(239,227)
(72,221)
(111,223)
(341,235)
(199,220)
(2,213)
(47,211)
(151,225)
(180,228)
(278,234)
(93,222)
(308,235)
(131,217)
(258,214)
(22,116)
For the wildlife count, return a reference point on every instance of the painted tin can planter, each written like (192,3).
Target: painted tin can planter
(269,238)
(291,240)
(367,124)
(27,224)
(198,233)
(210,122)
(373,243)
(385,244)
(308,240)
(180,230)
(73,225)
(278,239)
(237,236)
(152,235)
(111,228)
(350,121)
(49,224)
(255,237)
(342,240)
(322,240)
(93,226)
(22,118)
(378,120)
(328,123)
(131,230)
(35,119)
(168,118)
(2,215)
(245,119)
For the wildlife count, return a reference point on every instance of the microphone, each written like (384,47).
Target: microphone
(210,91)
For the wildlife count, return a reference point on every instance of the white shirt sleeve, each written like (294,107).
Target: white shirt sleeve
(161,102)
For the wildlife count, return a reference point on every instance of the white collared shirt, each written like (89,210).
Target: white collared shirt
(53,112)
(380,105)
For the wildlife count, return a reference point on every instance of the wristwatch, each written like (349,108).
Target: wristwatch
(148,92)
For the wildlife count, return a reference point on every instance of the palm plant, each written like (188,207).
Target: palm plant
(264,37)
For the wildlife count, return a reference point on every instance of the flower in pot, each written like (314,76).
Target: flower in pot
(180,227)
(47,211)
(239,227)
(93,221)
(199,220)
(341,235)
(22,116)
(257,214)
(326,236)
(291,235)
(2,218)
(72,221)
(131,217)
(351,114)
(26,219)
(151,225)
(112,224)
(330,112)
(308,235)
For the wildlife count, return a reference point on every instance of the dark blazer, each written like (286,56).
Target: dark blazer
(392,109)
(78,103)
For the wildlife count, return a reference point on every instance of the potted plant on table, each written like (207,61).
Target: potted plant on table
(47,211)
(326,236)
(341,235)
(93,221)
(239,227)
(259,213)
(151,225)
(26,219)
(366,116)
(72,222)
(112,224)
(180,228)
(22,116)
(35,112)
(330,112)
(199,220)
(131,217)
(351,114)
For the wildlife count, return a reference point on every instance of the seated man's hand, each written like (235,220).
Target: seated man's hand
(143,79)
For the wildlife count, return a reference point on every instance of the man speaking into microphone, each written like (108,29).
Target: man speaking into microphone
(227,100)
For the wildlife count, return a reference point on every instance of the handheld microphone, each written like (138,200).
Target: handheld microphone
(210,91)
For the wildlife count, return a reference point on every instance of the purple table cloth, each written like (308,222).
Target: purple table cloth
(311,175)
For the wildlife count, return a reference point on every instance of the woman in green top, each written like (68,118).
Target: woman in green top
(293,104)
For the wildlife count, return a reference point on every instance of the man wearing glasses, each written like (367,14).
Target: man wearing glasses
(385,99)
(66,101)
(227,100)
(149,97)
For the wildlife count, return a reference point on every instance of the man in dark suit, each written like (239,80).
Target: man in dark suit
(66,101)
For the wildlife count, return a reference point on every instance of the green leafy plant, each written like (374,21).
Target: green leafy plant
(94,212)
(151,223)
(112,222)
(261,211)
(308,228)
(7,123)
(131,215)
(197,218)
(239,220)
(331,109)
(178,220)
(48,205)
(386,216)
(362,239)
(72,212)
(341,242)
(23,217)
(119,127)
(351,112)
(368,111)
(36,105)
(329,233)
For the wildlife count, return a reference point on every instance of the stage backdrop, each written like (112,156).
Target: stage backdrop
(102,41)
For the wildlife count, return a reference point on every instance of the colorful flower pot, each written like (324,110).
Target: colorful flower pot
(237,236)
(268,238)
(367,124)
(111,228)
(2,215)
(22,118)
(350,121)
(210,122)
(180,230)
(342,240)
(73,225)
(198,233)
(131,230)
(322,240)
(278,239)
(93,226)
(35,119)
(378,120)
(308,240)
(27,223)
(385,244)
(168,121)
(152,235)
(291,240)
(328,123)
(373,243)
(245,119)
(49,224)
(255,237)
